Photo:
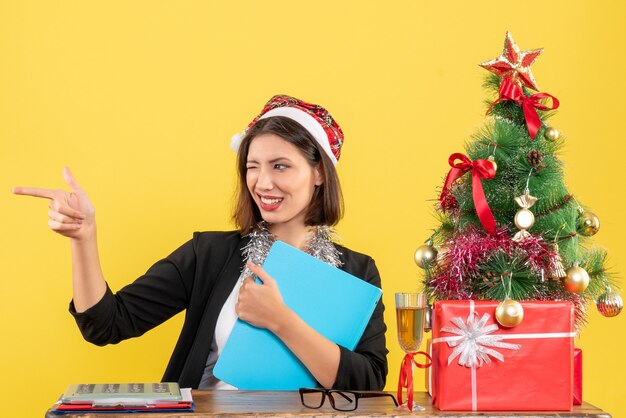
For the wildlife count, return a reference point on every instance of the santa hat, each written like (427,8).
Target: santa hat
(314,118)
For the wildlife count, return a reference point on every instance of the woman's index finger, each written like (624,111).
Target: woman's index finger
(34,192)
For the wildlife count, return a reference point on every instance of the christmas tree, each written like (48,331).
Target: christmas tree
(510,228)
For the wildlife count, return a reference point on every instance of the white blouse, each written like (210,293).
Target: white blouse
(224,326)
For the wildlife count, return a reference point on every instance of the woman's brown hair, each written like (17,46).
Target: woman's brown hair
(326,207)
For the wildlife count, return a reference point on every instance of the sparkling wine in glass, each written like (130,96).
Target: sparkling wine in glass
(410,311)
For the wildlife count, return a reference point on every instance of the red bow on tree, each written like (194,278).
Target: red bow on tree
(481,169)
(513,91)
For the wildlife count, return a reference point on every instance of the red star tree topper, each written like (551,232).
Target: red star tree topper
(514,64)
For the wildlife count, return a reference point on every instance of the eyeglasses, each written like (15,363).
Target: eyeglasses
(340,400)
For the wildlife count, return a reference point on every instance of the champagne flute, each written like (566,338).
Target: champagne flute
(410,310)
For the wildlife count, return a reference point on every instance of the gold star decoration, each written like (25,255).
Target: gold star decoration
(514,64)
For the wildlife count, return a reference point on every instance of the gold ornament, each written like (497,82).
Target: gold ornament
(425,255)
(509,313)
(493,161)
(524,218)
(588,224)
(576,280)
(556,271)
(551,134)
(610,304)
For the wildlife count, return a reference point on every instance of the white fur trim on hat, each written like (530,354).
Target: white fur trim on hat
(308,122)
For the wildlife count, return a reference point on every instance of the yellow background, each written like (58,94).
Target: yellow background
(141,98)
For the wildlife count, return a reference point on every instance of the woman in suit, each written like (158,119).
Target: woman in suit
(288,190)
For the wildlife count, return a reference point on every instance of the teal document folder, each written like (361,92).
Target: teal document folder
(336,304)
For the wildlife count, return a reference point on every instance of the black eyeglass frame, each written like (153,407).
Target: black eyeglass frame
(358,394)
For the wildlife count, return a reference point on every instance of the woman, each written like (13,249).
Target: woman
(288,191)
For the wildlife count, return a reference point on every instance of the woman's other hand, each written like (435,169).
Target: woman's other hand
(261,305)
(71,214)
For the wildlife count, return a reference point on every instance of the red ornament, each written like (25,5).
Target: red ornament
(514,64)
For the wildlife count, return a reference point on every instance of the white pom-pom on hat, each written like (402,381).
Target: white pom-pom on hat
(235,141)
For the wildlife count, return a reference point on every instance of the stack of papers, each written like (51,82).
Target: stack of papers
(124,397)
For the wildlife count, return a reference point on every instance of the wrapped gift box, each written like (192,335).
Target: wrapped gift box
(480,365)
(578,376)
